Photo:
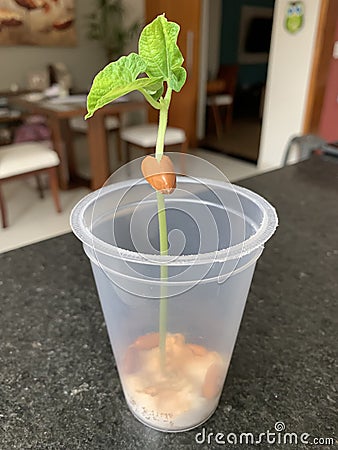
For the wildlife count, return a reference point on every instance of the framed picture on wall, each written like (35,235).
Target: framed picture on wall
(37,22)
(255,34)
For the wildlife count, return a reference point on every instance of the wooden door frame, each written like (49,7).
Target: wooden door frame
(321,63)
(182,113)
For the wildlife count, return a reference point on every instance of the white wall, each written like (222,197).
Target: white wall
(134,12)
(289,72)
(83,61)
(214,37)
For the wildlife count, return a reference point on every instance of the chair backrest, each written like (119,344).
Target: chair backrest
(229,73)
(306,144)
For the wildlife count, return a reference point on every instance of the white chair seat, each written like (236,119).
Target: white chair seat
(220,100)
(16,159)
(26,159)
(80,125)
(146,135)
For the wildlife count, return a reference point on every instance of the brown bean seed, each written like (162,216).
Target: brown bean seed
(213,381)
(159,174)
(198,350)
(147,341)
(131,361)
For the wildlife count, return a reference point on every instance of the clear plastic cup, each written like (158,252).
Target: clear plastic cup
(217,231)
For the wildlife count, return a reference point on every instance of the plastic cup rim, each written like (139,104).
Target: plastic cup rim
(262,234)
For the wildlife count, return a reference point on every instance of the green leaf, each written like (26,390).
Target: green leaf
(158,48)
(179,75)
(116,79)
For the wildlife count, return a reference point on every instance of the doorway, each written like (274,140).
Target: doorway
(244,33)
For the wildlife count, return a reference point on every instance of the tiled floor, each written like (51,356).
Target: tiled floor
(32,219)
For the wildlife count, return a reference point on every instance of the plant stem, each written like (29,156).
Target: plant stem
(162,224)
(149,98)
(162,125)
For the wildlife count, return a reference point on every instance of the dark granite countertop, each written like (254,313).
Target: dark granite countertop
(59,388)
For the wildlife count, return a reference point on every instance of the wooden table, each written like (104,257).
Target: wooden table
(58,113)
(10,117)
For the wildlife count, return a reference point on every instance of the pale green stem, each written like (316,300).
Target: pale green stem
(153,102)
(162,125)
(162,224)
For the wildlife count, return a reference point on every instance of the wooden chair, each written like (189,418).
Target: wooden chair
(144,137)
(306,145)
(221,93)
(27,159)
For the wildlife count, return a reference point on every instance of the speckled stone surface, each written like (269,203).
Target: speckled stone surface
(59,387)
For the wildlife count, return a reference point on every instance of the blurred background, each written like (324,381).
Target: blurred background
(259,73)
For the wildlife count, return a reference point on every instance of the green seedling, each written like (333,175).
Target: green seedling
(156,71)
